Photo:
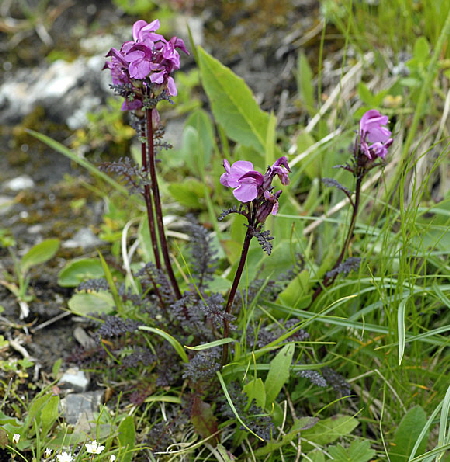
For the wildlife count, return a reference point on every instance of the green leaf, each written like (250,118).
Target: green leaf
(232,103)
(173,341)
(297,293)
(198,141)
(42,413)
(365,94)
(401,329)
(77,271)
(278,373)
(316,456)
(49,414)
(270,150)
(299,426)
(39,253)
(422,50)
(359,450)
(233,408)
(407,434)
(328,430)
(255,390)
(94,302)
(305,83)
(190,193)
(112,285)
(207,346)
(127,437)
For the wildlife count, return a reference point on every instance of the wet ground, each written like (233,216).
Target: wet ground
(259,40)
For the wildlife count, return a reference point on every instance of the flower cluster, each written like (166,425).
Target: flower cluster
(371,130)
(94,448)
(250,185)
(143,66)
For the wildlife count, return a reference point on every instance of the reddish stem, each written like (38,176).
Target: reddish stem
(157,202)
(233,291)
(327,281)
(150,208)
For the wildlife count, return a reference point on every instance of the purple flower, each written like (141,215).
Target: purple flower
(143,31)
(281,168)
(371,130)
(148,58)
(251,186)
(269,206)
(140,62)
(243,178)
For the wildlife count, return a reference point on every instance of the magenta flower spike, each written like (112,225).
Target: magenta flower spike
(243,178)
(142,69)
(374,138)
(252,186)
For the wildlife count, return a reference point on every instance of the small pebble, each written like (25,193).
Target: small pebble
(20,183)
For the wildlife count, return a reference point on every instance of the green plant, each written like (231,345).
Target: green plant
(18,281)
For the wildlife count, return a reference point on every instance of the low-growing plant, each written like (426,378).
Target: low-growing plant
(18,280)
(210,341)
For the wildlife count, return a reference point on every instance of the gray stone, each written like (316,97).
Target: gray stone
(74,379)
(67,90)
(77,407)
(19,183)
(83,238)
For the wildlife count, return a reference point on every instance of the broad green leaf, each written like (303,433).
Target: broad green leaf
(296,294)
(271,152)
(359,450)
(39,253)
(127,437)
(232,103)
(42,413)
(190,193)
(365,94)
(316,456)
(421,54)
(49,414)
(407,434)
(77,271)
(4,439)
(219,284)
(255,390)
(199,144)
(328,430)
(94,302)
(278,373)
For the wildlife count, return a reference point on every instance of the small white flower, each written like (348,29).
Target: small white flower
(64,457)
(112,458)
(94,447)
(16,438)
(47,453)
